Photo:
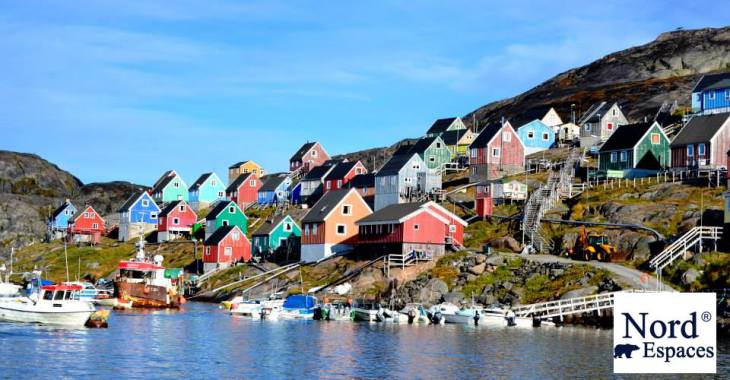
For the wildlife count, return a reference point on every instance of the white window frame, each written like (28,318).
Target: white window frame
(181,208)
(416,227)
(225,223)
(236,236)
(346,207)
(213,182)
(339,183)
(474,153)
(231,210)
(614,157)
(175,221)
(344,229)
(431,159)
(252,183)
(495,152)
(145,203)
(506,136)
(545,136)
(287,227)
(153,215)
(314,153)
(227,251)
(221,194)
(711,95)
(624,156)
(438,145)
(306,230)
(658,139)
(314,228)
(530,134)
(94,225)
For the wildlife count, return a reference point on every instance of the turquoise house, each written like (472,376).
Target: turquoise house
(169,188)
(207,189)
(537,136)
(276,235)
(60,217)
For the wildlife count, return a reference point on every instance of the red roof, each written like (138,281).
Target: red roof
(137,265)
(63,287)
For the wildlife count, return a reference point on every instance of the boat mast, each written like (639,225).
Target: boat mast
(65,255)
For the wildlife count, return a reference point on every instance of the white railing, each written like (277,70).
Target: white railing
(562,308)
(683,244)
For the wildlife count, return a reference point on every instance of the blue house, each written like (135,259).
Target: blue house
(274,189)
(58,222)
(536,136)
(137,216)
(711,94)
(295,194)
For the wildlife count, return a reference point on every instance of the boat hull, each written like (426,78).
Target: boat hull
(365,315)
(27,312)
(146,296)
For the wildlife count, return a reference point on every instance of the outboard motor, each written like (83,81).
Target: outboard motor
(436,318)
(411,316)
(476,318)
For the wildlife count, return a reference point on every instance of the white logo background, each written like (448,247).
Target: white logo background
(665,307)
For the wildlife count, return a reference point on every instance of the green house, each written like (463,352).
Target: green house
(444,125)
(274,234)
(433,151)
(169,188)
(225,213)
(635,150)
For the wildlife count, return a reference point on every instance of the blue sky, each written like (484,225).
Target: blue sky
(121,90)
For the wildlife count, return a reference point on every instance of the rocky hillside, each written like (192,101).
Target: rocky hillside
(643,77)
(374,158)
(31,188)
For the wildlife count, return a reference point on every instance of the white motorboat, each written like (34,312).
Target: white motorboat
(271,309)
(464,316)
(298,306)
(366,311)
(250,309)
(8,289)
(416,311)
(390,316)
(54,305)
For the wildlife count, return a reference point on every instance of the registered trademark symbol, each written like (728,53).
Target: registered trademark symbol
(706,316)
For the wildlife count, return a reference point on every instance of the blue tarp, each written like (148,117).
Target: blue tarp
(300,302)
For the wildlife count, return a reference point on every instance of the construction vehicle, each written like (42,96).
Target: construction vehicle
(592,246)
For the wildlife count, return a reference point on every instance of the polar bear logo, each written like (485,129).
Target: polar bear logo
(624,349)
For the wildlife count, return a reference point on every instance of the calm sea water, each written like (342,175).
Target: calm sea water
(204,342)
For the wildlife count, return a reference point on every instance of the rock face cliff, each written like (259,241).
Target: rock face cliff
(641,77)
(31,188)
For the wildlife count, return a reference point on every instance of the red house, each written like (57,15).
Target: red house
(87,226)
(405,228)
(343,173)
(310,155)
(244,189)
(176,219)
(483,202)
(497,151)
(702,143)
(227,245)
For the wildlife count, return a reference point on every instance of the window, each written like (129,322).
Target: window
(431,159)
(358,170)
(314,229)
(252,183)
(474,153)
(655,139)
(221,194)
(213,182)
(700,150)
(339,183)
(179,197)
(328,184)
(711,95)
(94,225)
(207,251)
(495,152)
(314,153)
(67,212)
(245,171)
(530,135)
(727,95)
(624,156)
(452,227)
(613,156)
(690,151)
(416,227)
(613,112)
(236,236)
(287,227)
(407,180)
(346,210)
(153,215)
(341,229)
(228,251)
(587,127)
(506,136)
(545,136)
(182,208)
(306,230)
(416,166)
(254,171)
(609,126)
(175,221)
(145,203)
(225,223)
(438,145)
(176,184)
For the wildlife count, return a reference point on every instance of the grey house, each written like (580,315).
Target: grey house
(404,178)
(599,123)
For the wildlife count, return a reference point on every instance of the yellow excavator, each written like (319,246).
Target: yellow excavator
(592,246)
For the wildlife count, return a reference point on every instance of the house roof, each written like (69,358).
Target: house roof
(318,172)
(524,117)
(199,182)
(240,179)
(700,129)
(162,183)
(220,234)
(341,170)
(403,149)
(324,205)
(395,164)
(453,137)
(270,225)
(302,151)
(441,125)
(61,208)
(272,183)
(422,144)
(219,207)
(713,82)
(626,136)
(486,135)
(170,206)
(164,175)
(237,164)
(132,200)
(362,180)
(392,213)
(537,122)
(592,115)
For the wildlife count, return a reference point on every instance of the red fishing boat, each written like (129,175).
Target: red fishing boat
(146,283)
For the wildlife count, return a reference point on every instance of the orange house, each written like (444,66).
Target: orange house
(329,227)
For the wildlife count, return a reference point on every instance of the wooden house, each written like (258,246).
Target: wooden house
(313,182)
(176,220)
(567,132)
(599,122)
(496,152)
(341,174)
(420,228)
(458,142)
(433,151)
(226,247)
(404,178)
(329,227)
(274,189)
(59,219)
(86,226)
(537,136)
(170,187)
(244,189)
(441,126)
(494,192)
(244,167)
(711,94)
(634,150)
(551,118)
(207,189)
(280,233)
(310,155)
(702,143)
(225,213)
(137,216)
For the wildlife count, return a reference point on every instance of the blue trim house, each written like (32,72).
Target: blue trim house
(137,216)
(711,94)
(274,190)
(536,136)
(58,222)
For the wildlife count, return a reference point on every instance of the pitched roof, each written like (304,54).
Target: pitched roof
(626,136)
(199,182)
(237,164)
(271,183)
(162,183)
(392,213)
(341,170)
(61,208)
(219,207)
(362,180)
(318,172)
(422,144)
(163,176)
(395,164)
(712,82)
(169,207)
(592,115)
(453,137)
(302,151)
(268,226)
(700,129)
(441,125)
(132,200)
(403,149)
(220,234)
(238,181)
(324,205)
(486,135)
(524,117)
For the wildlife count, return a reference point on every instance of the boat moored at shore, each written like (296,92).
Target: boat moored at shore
(53,305)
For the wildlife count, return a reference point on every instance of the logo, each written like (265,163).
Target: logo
(664,333)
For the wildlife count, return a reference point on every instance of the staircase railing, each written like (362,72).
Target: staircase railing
(683,244)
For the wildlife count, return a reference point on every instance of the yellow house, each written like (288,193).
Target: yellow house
(244,167)
(458,141)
